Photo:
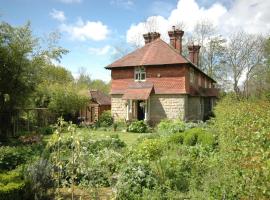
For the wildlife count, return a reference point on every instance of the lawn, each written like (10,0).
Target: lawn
(127,137)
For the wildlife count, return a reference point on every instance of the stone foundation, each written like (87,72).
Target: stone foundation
(170,106)
(118,107)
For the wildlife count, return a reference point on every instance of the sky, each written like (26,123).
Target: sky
(94,30)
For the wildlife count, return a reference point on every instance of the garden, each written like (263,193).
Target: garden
(224,158)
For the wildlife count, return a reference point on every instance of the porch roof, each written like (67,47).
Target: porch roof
(138,91)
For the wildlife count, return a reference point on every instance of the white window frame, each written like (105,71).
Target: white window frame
(205,83)
(139,72)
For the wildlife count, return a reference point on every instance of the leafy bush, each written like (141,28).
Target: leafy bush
(11,157)
(199,136)
(105,119)
(150,149)
(38,174)
(191,137)
(171,126)
(138,127)
(206,139)
(176,138)
(100,169)
(134,179)
(242,170)
(47,130)
(12,186)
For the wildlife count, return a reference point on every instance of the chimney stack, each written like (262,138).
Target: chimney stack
(150,37)
(194,51)
(176,39)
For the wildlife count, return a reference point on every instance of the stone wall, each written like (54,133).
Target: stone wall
(118,107)
(195,109)
(169,106)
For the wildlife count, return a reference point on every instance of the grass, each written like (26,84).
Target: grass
(128,138)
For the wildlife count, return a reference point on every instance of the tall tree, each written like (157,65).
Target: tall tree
(244,52)
(21,57)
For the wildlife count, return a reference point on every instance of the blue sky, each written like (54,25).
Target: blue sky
(91,29)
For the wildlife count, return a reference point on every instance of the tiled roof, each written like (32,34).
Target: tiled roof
(157,52)
(100,97)
(138,90)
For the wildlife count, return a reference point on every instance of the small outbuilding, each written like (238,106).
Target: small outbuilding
(98,103)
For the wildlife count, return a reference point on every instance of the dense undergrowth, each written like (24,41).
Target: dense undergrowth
(225,158)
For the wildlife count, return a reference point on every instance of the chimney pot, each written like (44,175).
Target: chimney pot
(176,39)
(194,51)
(150,37)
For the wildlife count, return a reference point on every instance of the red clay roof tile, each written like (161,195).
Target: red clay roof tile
(157,52)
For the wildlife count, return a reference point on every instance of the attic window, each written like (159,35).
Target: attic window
(140,74)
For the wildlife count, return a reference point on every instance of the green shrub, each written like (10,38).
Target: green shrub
(39,176)
(176,138)
(171,126)
(99,169)
(199,136)
(47,130)
(105,119)
(12,186)
(191,137)
(138,127)
(134,179)
(150,149)
(206,139)
(11,157)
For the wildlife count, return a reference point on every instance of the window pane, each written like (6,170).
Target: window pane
(143,76)
(136,76)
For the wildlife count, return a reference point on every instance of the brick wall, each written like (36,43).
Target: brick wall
(166,79)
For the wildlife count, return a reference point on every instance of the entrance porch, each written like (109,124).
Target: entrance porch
(137,98)
(138,109)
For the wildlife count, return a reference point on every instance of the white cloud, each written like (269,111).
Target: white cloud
(58,15)
(70,1)
(102,51)
(123,3)
(252,16)
(88,30)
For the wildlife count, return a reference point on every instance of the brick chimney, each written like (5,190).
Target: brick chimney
(194,51)
(150,37)
(176,39)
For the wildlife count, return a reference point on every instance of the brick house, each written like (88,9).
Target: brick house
(98,103)
(156,82)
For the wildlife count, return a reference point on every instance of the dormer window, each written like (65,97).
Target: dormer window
(140,74)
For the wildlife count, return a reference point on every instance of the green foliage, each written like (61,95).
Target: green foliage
(242,170)
(150,149)
(138,127)
(100,169)
(11,157)
(12,186)
(171,126)
(191,136)
(21,59)
(134,179)
(176,138)
(198,136)
(47,130)
(65,100)
(39,176)
(105,119)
